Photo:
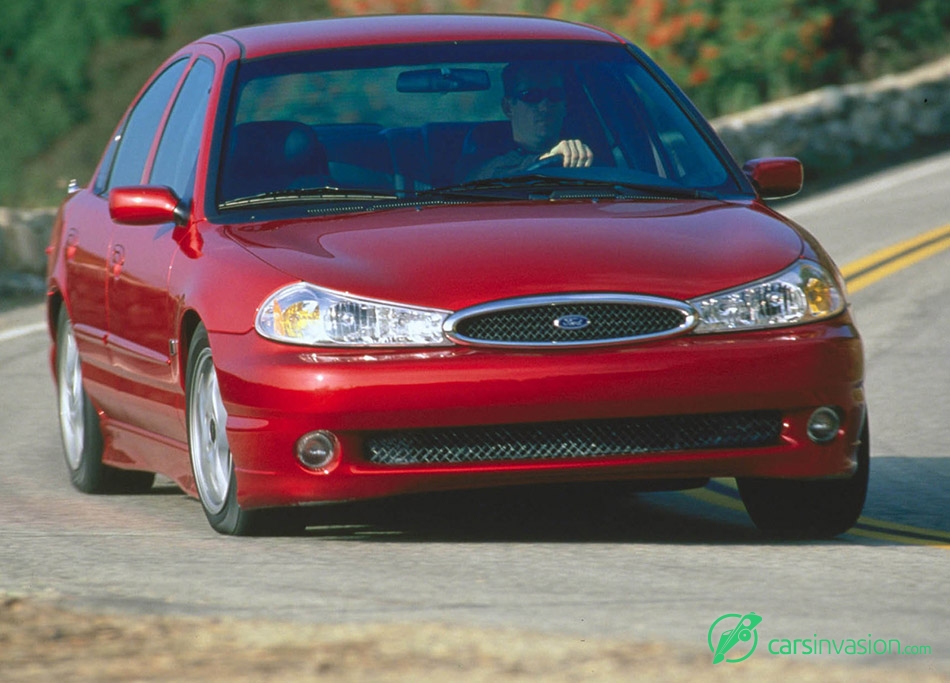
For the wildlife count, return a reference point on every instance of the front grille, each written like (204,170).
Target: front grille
(570,319)
(574,440)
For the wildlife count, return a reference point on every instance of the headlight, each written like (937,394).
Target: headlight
(305,314)
(804,293)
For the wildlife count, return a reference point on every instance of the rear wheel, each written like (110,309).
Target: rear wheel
(210,451)
(79,425)
(809,509)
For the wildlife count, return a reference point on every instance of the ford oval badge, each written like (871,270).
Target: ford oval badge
(571,322)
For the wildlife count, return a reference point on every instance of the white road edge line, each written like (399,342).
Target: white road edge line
(23,331)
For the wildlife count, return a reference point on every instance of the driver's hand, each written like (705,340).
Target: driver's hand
(576,153)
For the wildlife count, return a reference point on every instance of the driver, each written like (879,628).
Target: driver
(534,101)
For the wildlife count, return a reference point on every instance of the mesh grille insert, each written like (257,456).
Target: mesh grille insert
(574,440)
(535,324)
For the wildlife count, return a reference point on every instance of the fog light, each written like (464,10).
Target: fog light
(316,450)
(823,425)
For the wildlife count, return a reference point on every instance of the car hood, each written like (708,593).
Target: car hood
(451,257)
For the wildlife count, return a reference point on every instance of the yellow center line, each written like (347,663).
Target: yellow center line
(894,526)
(714,498)
(896,538)
(860,274)
(889,260)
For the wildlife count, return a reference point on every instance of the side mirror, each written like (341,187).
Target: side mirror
(775,178)
(146,205)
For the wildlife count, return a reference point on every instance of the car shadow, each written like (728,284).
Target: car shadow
(908,503)
(548,514)
(910,492)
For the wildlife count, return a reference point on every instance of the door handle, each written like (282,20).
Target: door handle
(72,243)
(117,260)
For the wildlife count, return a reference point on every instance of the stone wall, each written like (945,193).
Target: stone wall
(830,130)
(836,127)
(24,235)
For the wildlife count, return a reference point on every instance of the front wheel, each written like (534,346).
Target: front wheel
(211,460)
(79,425)
(809,509)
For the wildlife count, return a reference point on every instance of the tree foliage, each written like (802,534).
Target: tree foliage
(45,48)
(733,54)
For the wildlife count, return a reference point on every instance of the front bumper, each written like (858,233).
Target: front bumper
(276,393)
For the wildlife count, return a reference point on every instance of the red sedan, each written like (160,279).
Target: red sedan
(354,258)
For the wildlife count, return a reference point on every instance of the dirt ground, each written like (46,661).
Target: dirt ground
(41,639)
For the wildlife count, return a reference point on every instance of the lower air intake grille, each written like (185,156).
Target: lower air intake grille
(574,440)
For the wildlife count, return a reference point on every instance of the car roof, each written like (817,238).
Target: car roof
(269,39)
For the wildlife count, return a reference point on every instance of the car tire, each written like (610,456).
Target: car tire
(79,425)
(809,509)
(211,459)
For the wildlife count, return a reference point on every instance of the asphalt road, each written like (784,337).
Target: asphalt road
(654,567)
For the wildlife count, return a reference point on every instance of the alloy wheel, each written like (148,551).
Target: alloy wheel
(210,452)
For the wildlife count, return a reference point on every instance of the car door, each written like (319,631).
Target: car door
(141,313)
(88,231)
(87,234)
(88,276)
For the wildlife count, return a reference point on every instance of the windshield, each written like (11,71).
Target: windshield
(395,123)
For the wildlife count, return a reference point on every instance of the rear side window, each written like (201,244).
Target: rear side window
(136,140)
(178,150)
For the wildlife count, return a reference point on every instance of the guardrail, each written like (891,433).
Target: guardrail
(830,129)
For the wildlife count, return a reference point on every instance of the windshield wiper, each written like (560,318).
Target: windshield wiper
(312,194)
(627,189)
(552,186)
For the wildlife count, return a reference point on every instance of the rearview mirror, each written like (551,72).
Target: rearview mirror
(443,80)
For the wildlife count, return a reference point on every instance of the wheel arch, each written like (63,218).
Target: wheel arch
(189,323)
(54,303)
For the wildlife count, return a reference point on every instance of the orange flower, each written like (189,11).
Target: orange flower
(338,7)
(660,36)
(750,30)
(653,9)
(698,76)
(696,19)
(677,27)
(709,52)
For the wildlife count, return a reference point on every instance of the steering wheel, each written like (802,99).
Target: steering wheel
(553,161)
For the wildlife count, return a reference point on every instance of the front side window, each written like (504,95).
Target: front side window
(403,122)
(178,149)
(135,141)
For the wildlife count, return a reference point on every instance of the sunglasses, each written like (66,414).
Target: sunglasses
(535,95)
